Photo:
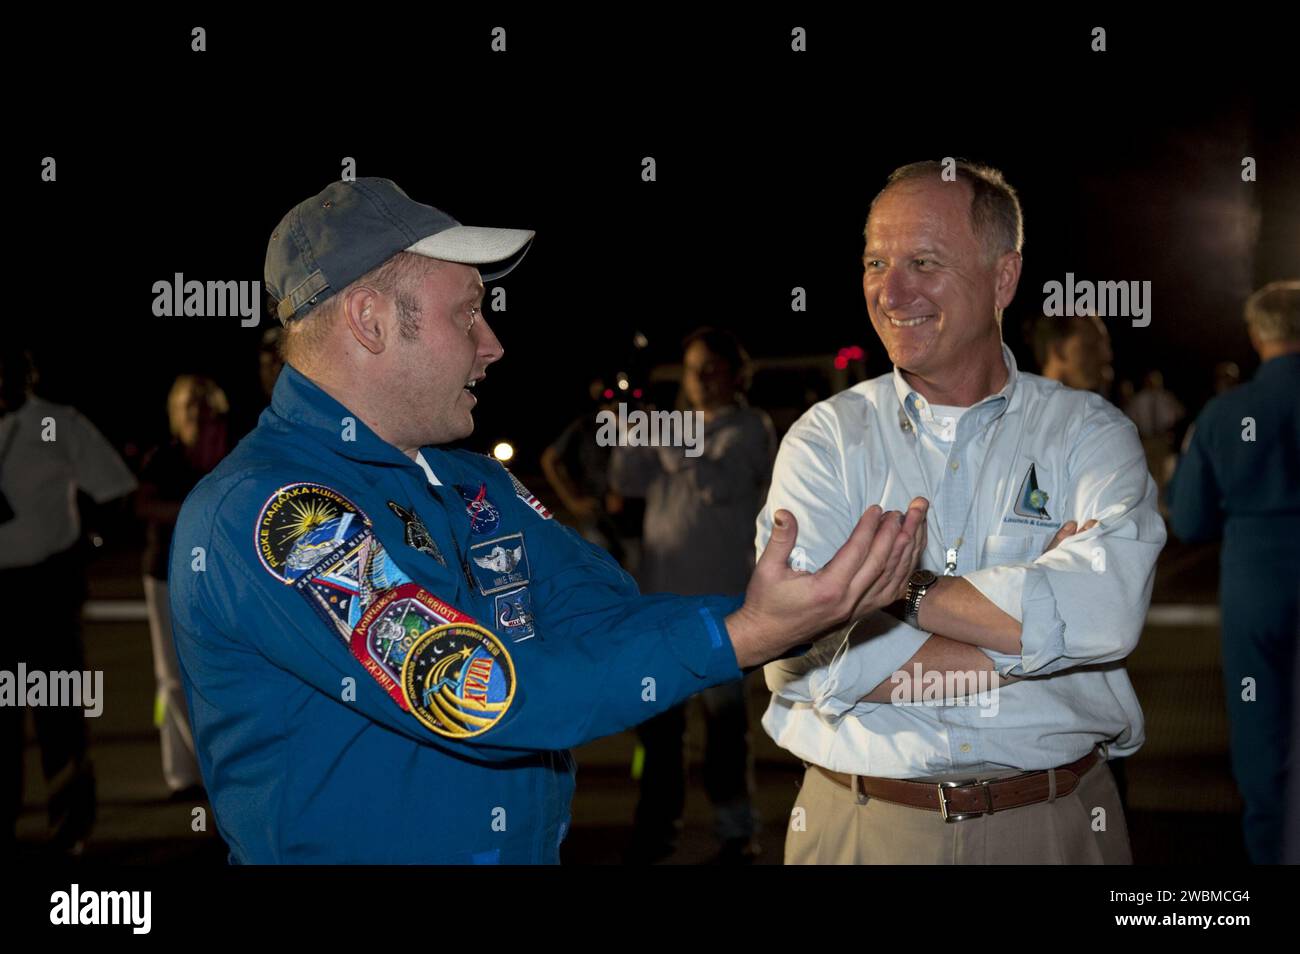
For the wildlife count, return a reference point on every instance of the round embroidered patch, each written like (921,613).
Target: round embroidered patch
(302,524)
(458,680)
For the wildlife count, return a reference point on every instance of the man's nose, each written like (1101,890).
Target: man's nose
(489,348)
(896,289)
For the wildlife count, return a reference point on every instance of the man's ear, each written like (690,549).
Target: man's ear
(1008,277)
(363,310)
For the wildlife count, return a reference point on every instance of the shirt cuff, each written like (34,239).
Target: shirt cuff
(879,646)
(1003,586)
(1042,631)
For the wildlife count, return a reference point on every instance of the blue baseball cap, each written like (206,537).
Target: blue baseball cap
(330,240)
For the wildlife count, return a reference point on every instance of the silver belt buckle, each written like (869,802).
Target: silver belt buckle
(962,816)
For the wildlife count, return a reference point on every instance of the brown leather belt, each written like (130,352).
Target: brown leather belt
(968,798)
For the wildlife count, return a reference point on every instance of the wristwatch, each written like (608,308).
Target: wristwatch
(917,584)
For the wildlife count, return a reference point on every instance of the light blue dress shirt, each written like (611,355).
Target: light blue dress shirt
(1019,464)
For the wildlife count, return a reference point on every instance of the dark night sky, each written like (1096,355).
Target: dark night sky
(1127,164)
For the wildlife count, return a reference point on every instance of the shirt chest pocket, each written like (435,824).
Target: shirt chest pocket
(1002,549)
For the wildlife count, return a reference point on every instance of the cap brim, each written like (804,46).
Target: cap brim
(501,249)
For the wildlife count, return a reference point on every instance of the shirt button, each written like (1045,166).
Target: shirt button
(965,746)
(954,465)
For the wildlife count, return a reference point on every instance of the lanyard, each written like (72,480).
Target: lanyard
(949,552)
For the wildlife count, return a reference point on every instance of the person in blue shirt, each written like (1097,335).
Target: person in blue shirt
(388,646)
(1239,482)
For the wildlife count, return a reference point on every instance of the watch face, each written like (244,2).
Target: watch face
(922,578)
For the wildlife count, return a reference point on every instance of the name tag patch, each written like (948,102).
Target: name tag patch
(499,564)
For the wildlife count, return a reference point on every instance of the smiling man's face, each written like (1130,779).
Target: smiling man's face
(453,348)
(932,294)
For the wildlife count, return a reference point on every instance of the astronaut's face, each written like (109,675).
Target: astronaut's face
(449,355)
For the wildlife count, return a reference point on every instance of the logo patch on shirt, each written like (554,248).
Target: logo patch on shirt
(1031,501)
(526,495)
(417,534)
(458,680)
(390,628)
(499,564)
(302,524)
(514,612)
(483,515)
(343,585)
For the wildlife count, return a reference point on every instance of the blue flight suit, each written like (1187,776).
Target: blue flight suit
(1247,492)
(383,670)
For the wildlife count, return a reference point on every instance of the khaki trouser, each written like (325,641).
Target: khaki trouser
(833,828)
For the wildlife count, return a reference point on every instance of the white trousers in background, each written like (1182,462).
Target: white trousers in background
(171,716)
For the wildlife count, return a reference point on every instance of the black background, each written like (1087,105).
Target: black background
(1127,163)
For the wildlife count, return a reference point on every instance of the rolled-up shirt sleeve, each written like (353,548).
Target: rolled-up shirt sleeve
(808,481)
(1084,601)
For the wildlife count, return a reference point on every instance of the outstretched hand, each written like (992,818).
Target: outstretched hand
(784,608)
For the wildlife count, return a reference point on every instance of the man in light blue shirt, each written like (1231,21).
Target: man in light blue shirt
(989,744)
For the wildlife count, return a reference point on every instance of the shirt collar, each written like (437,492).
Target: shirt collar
(1282,364)
(314,414)
(911,405)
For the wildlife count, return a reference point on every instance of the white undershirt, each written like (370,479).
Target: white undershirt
(428,471)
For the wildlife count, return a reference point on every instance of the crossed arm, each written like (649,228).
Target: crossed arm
(954,607)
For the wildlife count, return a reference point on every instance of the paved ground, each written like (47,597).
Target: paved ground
(1183,806)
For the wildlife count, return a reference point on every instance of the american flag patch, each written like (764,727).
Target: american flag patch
(526,495)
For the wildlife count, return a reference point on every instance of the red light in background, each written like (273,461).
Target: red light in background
(841,362)
(636,392)
(609,394)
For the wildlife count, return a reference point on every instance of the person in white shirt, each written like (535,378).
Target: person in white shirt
(1033,587)
(48,452)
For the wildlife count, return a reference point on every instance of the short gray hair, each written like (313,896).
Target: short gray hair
(304,334)
(995,213)
(1274,311)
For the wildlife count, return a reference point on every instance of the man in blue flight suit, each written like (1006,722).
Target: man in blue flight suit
(387,647)
(1239,481)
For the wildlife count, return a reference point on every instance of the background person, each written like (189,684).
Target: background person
(699,515)
(48,454)
(197,412)
(1239,482)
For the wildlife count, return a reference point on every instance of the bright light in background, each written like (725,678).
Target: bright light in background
(503,452)
(640,340)
(623,384)
(609,393)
